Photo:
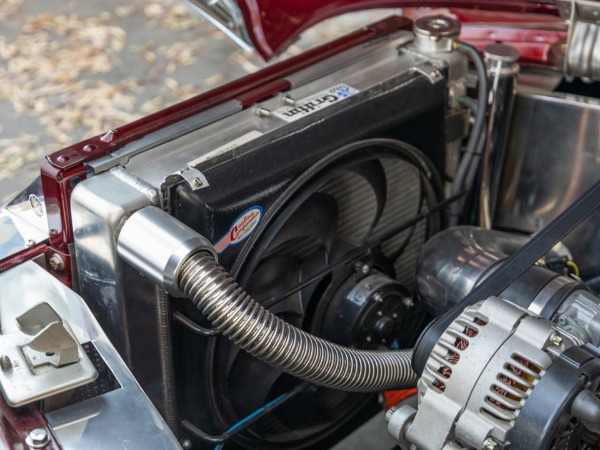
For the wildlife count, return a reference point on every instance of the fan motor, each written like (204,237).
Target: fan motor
(369,312)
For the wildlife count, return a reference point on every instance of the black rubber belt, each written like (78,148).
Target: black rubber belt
(512,269)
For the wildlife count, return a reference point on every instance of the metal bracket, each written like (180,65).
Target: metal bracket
(42,359)
(428,70)
(194,178)
(582,57)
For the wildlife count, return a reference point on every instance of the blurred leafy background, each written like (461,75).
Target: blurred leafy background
(71,70)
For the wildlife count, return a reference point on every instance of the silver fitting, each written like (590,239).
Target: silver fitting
(38,438)
(501,59)
(435,34)
(399,419)
(157,245)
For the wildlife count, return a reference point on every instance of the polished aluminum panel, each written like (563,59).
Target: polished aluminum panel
(124,418)
(364,71)
(131,309)
(553,156)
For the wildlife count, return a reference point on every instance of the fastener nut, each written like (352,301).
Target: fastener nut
(38,438)
(556,339)
(56,263)
(362,268)
(489,444)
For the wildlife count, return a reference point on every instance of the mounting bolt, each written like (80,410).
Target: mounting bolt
(198,182)
(5,363)
(556,339)
(378,297)
(362,268)
(56,263)
(38,438)
(408,302)
(186,444)
(262,112)
(30,243)
(287,100)
(489,444)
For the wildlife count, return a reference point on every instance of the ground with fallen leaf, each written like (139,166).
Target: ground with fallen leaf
(72,70)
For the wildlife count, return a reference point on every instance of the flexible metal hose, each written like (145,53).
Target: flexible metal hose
(284,346)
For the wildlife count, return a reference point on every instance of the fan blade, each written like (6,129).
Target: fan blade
(372,171)
(273,277)
(317,217)
(312,267)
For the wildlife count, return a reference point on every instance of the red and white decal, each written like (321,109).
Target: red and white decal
(240,229)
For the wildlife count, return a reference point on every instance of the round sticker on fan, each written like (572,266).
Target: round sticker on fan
(240,229)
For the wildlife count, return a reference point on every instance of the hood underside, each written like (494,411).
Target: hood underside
(269,26)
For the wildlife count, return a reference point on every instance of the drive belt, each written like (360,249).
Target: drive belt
(510,271)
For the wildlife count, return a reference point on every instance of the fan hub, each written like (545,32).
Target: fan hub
(368,312)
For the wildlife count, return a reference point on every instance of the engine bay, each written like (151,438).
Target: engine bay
(389,222)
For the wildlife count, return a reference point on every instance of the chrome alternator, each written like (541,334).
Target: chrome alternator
(479,378)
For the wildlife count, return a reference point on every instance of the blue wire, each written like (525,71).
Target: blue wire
(254,414)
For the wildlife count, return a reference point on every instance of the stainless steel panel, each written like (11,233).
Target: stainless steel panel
(553,156)
(124,418)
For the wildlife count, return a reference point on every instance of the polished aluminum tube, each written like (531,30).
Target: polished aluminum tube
(284,346)
(455,260)
(156,244)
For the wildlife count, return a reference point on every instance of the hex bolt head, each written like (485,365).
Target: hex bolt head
(408,302)
(56,263)
(38,438)
(362,268)
(489,444)
(556,339)
(5,363)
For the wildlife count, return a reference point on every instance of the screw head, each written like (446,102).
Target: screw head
(198,182)
(38,438)
(489,444)
(56,263)
(378,297)
(556,339)
(408,302)
(186,444)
